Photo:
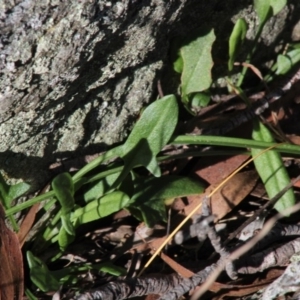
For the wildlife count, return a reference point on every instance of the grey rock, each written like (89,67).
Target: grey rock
(74,75)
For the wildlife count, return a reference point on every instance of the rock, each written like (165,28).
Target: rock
(75,74)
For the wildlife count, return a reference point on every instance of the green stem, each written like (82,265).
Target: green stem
(233,142)
(29,203)
(14,223)
(48,234)
(30,295)
(96,162)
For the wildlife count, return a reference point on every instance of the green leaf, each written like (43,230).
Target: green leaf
(178,65)
(17,190)
(110,154)
(97,190)
(294,45)
(271,169)
(197,63)
(40,274)
(286,62)
(68,274)
(166,187)
(67,225)
(30,295)
(10,192)
(268,8)
(100,208)
(236,39)
(150,134)
(148,202)
(200,99)
(110,268)
(63,188)
(65,237)
(150,212)
(175,56)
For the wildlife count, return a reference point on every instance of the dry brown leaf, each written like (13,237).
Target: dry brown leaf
(255,70)
(152,297)
(27,224)
(179,269)
(217,168)
(229,196)
(295,139)
(11,263)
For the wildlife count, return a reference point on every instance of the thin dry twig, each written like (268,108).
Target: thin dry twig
(257,108)
(244,249)
(174,286)
(270,203)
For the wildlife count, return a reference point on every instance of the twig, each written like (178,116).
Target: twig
(271,257)
(257,108)
(288,282)
(173,285)
(216,240)
(270,203)
(245,248)
(133,287)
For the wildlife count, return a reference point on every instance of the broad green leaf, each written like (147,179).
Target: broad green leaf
(10,192)
(63,188)
(236,39)
(150,196)
(286,62)
(200,99)
(126,185)
(65,238)
(271,169)
(110,154)
(100,208)
(150,212)
(79,183)
(149,135)
(164,188)
(268,8)
(40,274)
(17,190)
(294,56)
(96,190)
(197,64)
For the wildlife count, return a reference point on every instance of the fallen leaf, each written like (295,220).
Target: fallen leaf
(179,269)
(11,262)
(217,168)
(27,224)
(295,139)
(228,196)
(235,190)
